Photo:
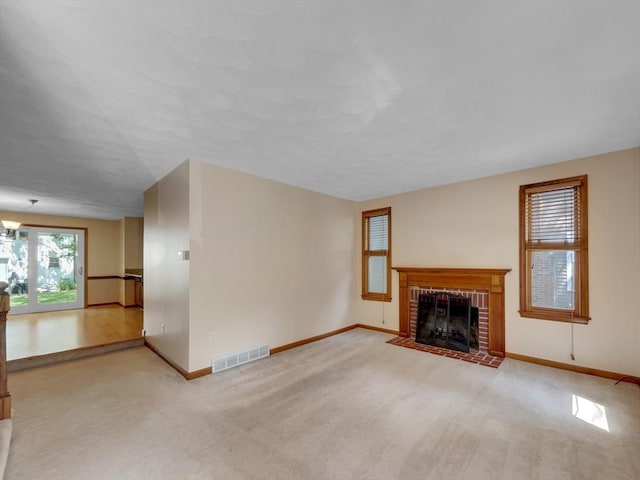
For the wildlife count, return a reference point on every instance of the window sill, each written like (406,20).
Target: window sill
(554,316)
(378,297)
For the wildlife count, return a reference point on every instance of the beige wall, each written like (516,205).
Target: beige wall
(270,263)
(166,285)
(104,290)
(133,228)
(475,224)
(131,241)
(104,251)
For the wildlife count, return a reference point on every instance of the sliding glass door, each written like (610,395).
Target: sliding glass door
(44,268)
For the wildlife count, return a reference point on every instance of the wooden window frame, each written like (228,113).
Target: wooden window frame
(366,294)
(580,313)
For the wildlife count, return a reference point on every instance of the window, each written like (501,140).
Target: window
(553,250)
(376,254)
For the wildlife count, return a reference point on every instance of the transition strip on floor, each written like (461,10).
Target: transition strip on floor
(479,358)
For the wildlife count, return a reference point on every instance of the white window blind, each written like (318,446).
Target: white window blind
(378,232)
(554,216)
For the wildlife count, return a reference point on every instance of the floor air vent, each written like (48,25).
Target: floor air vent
(238,358)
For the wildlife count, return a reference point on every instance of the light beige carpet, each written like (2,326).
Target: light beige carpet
(347,407)
(6,429)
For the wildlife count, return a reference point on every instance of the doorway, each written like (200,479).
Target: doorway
(44,267)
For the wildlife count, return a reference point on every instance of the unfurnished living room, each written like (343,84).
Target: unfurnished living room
(318,239)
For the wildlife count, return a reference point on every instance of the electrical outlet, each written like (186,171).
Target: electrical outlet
(212,336)
(162,328)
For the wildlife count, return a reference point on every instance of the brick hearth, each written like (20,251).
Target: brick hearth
(480,358)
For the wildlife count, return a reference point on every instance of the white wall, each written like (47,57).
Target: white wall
(475,224)
(166,281)
(270,263)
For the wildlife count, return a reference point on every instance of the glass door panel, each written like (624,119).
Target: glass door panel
(44,268)
(14,267)
(57,269)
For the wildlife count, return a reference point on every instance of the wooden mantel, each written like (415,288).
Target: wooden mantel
(487,279)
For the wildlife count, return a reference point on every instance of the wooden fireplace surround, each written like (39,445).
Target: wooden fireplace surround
(490,280)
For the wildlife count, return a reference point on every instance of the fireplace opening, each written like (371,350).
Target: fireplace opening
(448,321)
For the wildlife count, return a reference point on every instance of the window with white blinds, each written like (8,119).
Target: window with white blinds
(376,254)
(553,250)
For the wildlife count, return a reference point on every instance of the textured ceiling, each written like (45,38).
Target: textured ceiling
(356,99)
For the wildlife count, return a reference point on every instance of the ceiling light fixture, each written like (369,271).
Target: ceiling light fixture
(8,229)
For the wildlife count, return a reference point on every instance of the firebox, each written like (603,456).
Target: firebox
(448,321)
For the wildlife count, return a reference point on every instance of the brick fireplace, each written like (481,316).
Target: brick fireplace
(484,286)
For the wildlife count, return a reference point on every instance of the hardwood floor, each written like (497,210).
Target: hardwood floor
(35,334)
